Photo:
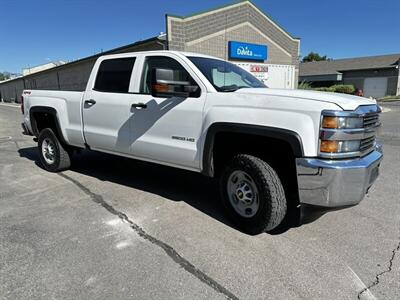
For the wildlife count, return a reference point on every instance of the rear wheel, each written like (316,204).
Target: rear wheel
(53,155)
(253,194)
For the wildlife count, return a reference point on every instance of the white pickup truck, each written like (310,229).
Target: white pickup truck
(271,149)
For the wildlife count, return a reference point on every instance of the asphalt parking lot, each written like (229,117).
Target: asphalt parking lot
(117,228)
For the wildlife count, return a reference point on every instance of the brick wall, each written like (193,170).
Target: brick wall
(217,45)
(182,32)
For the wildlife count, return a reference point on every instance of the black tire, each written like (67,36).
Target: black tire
(62,158)
(272,204)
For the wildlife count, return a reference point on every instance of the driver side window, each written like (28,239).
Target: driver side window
(180,74)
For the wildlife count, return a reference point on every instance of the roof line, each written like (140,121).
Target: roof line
(352,58)
(232,4)
(89,57)
(49,62)
(367,68)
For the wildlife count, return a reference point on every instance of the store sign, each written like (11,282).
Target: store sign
(246,51)
(258,69)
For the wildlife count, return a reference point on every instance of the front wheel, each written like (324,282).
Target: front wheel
(253,194)
(52,153)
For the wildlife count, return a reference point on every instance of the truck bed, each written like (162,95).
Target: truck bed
(68,105)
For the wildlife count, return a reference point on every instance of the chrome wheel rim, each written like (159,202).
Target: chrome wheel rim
(243,194)
(48,151)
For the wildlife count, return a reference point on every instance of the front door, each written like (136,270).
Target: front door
(166,129)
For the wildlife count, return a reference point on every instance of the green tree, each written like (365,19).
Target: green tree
(313,56)
(3,77)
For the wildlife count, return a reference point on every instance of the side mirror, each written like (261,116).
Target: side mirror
(163,84)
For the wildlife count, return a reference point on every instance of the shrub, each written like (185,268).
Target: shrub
(344,88)
(304,86)
(325,89)
(338,88)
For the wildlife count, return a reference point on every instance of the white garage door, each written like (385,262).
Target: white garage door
(375,87)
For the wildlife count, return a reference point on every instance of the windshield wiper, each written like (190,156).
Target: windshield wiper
(229,90)
(232,89)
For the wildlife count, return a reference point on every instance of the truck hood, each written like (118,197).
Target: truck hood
(346,102)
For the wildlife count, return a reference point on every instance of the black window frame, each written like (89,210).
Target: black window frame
(134,60)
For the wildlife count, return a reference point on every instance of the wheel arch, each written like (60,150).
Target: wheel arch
(288,136)
(51,114)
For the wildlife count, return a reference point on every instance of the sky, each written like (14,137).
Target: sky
(35,32)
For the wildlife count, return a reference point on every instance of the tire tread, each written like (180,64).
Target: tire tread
(64,158)
(272,187)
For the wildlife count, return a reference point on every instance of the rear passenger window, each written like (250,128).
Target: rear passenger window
(114,75)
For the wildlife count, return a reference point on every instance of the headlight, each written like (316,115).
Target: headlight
(341,122)
(345,134)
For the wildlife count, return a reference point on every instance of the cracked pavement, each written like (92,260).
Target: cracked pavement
(378,276)
(116,228)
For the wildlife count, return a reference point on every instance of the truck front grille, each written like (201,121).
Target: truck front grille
(366,145)
(371,120)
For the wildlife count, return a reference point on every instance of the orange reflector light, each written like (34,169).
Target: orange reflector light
(160,87)
(329,146)
(330,122)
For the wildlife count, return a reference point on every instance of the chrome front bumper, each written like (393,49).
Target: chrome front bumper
(335,183)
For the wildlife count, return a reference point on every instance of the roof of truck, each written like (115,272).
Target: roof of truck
(126,54)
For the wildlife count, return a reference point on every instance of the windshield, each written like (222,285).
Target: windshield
(224,76)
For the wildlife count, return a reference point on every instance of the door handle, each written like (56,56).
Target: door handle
(139,105)
(90,102)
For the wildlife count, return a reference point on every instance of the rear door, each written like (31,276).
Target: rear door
(107,104)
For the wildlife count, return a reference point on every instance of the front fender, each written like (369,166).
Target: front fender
(293,120)
(291,137)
